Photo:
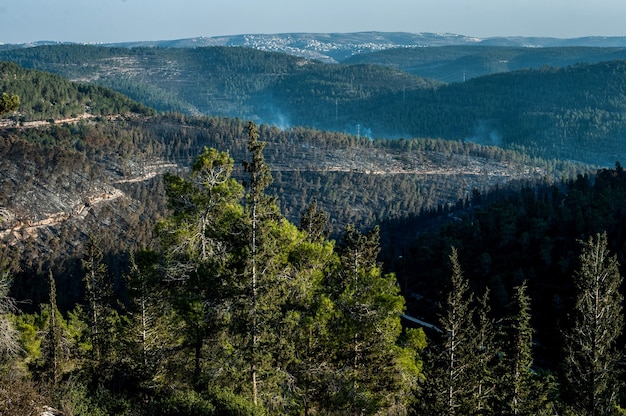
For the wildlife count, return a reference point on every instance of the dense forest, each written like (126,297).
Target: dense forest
(461,62)
(235,310)
(572,112)
(183,265)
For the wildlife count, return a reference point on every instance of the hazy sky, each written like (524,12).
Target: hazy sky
(133,20)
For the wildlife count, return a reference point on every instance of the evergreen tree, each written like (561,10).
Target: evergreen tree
(148,329)
(52,344)
(485,352)
(98,304)
(314,222)
(370,375)
(449,383)
(591,358)
(8,103)
(197,239)
(261,211)
(516,381)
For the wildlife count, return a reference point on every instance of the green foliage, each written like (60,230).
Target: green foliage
(450,378)
(517,387)
(186,403)
(44,96)
(459,63)
(366,330)
(228,403)
(213,402)
(281,313)
(572,112)
(53,348)
(8,103)
(592,367)
(98,302)
(29,327)
(76,399)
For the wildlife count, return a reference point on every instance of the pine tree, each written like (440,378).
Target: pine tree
(148,334)
(485,352)
(53,340)
(198,244)
(368,327)
(314,222)
(98,301)
(8,103)
(259,179)
(261,210)
(517,383)
(449,383)
(591,358)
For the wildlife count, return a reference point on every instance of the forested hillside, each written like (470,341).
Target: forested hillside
(234,82)
(44,96)
(574,112)
(241,311)
(175,265)
(63,178)
(505,238)
(456,63)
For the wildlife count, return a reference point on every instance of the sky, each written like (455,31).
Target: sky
(107,21)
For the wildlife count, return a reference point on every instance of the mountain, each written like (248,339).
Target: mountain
(229,81)
(570,112)
(451,64)
(336,47)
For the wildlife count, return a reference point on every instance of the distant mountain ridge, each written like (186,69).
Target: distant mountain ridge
(335,47)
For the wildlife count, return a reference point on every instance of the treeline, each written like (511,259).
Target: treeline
(568,113)
(226,81)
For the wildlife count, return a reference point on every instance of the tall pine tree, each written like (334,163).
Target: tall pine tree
(449,383)
(199,247)
(515,388)
(98,304)
(370,375)
(259,208)
(591,358)
(52,345)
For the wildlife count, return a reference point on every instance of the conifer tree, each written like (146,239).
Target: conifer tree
(591,358)
(199,247)
(261,211)
(516,386)
(314,222)
(485,352)
(8,103)
(260,178)
(52,343)
(147,334)
(98,302)
(367,329)
(449,383)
